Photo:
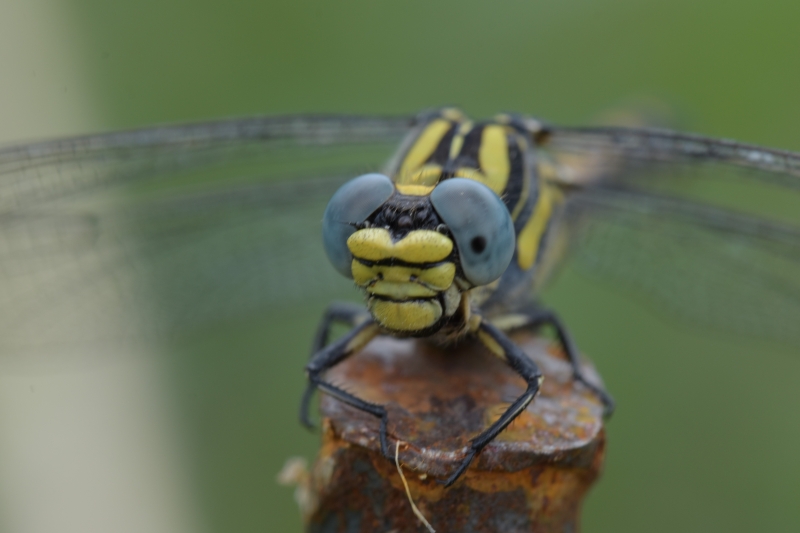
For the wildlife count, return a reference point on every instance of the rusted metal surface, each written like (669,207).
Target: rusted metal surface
(533,477)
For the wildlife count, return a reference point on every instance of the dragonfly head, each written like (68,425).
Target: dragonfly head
(416,250)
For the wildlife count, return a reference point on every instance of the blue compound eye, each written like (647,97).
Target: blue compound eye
(481,226)
(352,204)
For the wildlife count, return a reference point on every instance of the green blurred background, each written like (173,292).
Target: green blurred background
(706,435)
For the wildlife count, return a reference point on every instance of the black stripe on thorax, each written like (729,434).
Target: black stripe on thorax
(441,154)
(516,175)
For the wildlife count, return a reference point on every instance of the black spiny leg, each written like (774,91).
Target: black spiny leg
(344,312)
(535,318)
(505,349)
(334,354)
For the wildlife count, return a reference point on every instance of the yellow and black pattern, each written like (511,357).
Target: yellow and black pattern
(433,255)
(501,154)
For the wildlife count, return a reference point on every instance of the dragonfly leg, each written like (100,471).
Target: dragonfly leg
(501,346)
(343,312)
(332,355)
(534,318)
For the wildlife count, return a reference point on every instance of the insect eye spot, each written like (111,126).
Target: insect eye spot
(478,244)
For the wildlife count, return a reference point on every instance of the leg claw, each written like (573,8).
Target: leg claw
(461,468)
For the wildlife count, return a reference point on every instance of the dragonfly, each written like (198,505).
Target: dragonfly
(140,234)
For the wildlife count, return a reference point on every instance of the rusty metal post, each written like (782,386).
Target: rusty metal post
(533,477)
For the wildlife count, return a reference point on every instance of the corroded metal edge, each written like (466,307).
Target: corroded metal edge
(532,477)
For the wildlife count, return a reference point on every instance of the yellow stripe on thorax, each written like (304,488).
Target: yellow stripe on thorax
(414,170)
(530,237)
(458,139)
(492,159)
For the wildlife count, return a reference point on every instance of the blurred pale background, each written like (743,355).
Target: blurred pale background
(190,436)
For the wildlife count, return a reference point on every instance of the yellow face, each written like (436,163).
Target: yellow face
(409,282)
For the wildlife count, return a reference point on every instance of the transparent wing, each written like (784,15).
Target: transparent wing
(708,229)
(614,151)
(138,234)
